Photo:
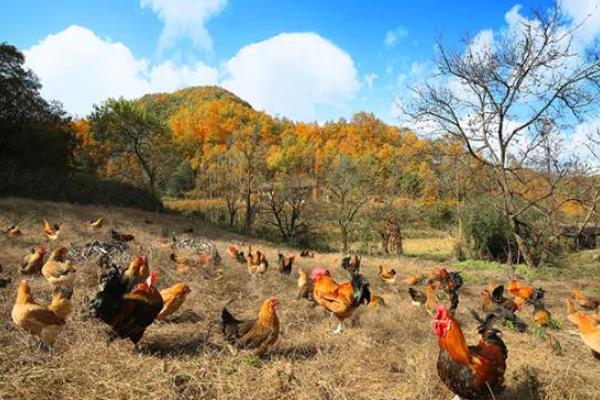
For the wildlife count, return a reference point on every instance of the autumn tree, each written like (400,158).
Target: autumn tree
(138,145)
(508,101)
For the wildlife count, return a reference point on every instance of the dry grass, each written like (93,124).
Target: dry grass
(436,247)
(391,355)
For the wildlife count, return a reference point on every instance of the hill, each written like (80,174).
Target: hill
(166,105)
(390,354)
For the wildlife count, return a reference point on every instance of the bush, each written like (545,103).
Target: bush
(488,234)
(76,188)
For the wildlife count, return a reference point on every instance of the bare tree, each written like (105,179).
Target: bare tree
(350,185)
(507,101)
(287,201)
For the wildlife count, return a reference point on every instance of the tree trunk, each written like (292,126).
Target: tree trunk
(344,232)
(526,251)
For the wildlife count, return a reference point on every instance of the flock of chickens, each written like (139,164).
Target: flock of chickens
(128,302)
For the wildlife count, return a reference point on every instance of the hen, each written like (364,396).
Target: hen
(523,294)
(588,328)
(14,231)
(388,276)
(173,298)
(471,372)
(339,299)
(40,321)
(97,224)
(285,263)
(258,334)
(588,303)
(51,231)
(33,263)
(58,270)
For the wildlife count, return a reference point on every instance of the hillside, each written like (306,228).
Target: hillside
(166,105)
(391,354)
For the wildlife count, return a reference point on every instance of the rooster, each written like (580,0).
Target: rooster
(51,231)
(44,322)
(588,329)
(173,298)
(340,299)
(351,263)
(588,303)
(258,334)
(236,254)
(285,263)
(388,276)
(33,262)
(450,282)
(128,314)
(471,372)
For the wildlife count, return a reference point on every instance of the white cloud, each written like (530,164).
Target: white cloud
(291,73)
(392,37)
(586,13)
(370,78)
(184,19)
(78,68)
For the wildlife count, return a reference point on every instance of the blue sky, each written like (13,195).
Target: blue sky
(262,50)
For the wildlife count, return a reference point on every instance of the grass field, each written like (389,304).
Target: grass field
(390,354)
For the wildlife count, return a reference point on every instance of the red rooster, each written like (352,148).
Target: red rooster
(471,372)
(129,314)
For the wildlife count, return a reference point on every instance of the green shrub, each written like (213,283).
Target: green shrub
(488,234)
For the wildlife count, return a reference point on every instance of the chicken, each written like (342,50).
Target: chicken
(499,299)
(376,301)
(97,224)
(487,305)
(428,299)
(588,329)
(523,294)
(136,273)
(33,263)
(184,264)
(257,264)
(51,231)
(307,253)
(121,237)
(258,334)
(61,302)
(57,270)
(351,263)
(128,314)
(285,263)
(588,303)
(388,276)
(173,298)
(339,299)
(304,285)
(413,280)
(450,282)
(36,319)
(14,231)
(541,316)
(233,251)
(207,258)
(471,372)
